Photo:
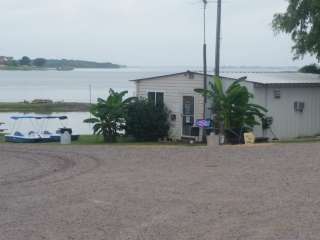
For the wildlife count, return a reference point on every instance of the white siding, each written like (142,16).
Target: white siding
(174,88)
(288,123)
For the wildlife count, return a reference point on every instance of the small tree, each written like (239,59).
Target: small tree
(232,107)
(109,115)
(147,121)
(12,63)
(25,61)
(39,62)
(313,68)
(302,21)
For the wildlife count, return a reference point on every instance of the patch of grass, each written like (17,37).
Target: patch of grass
(89,140)
(121,141)
(1,137)
(301,140)
(44,107)
(98,140)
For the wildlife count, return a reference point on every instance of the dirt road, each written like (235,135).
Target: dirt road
(145,193)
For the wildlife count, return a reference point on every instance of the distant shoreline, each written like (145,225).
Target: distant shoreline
(44,108)
(31,68)
(42,64)
(22,68)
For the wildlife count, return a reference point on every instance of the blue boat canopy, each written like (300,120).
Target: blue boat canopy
(39,117)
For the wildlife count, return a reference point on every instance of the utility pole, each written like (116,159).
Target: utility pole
(218,40)
(217,65)
(205,2)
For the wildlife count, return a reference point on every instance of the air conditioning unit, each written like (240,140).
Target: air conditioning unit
(277,93)
(299,106)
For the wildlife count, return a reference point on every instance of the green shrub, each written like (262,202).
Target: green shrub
(108,115)
(313,68)
(146,121)
(233,108)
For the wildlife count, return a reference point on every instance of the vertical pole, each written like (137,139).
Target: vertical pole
(90,96)
(204,58)
(218,39)
(217,66)
(204,67)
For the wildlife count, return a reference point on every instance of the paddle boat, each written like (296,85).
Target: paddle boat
(1,129)
(39,134)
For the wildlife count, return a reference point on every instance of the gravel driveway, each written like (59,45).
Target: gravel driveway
(148,192)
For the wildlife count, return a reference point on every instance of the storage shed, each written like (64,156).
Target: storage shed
(293,100)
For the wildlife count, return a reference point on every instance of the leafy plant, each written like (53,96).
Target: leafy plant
(302,21)
(266,122)
(39,62)
(232,107)
(25,61)
(109,115)
(313,68)
(147,121)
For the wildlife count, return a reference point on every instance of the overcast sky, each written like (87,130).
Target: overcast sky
(143,32)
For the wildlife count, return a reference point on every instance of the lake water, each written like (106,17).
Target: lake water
(73,86)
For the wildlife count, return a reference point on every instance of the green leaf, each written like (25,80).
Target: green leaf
(302,21)
(91,120)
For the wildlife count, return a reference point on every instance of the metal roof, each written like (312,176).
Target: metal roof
(264,78)
(276,77)
(170,75)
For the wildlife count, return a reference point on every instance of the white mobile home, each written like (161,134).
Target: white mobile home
(293,100)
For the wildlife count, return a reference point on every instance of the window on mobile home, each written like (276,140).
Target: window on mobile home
(156,97)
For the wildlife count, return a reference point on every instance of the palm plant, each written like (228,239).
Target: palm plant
(109,115)
(232,106)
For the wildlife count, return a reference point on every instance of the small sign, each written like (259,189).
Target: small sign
(203,123)
(249,138)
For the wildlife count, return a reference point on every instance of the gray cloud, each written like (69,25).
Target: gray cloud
(143,32)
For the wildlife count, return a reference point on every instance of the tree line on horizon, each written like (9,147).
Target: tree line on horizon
(26,61)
